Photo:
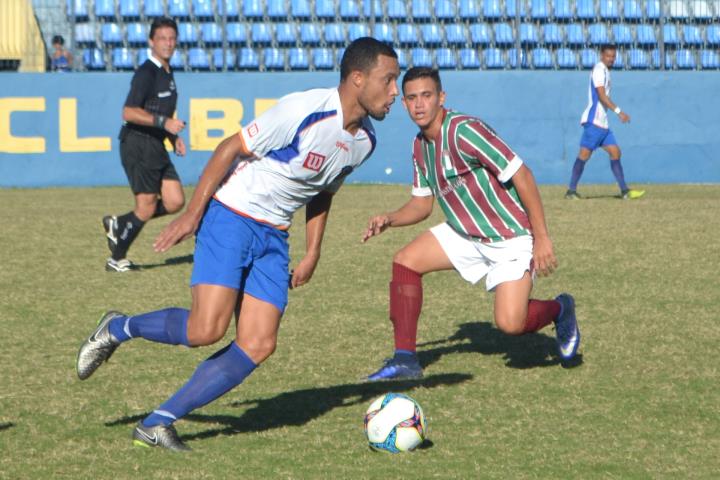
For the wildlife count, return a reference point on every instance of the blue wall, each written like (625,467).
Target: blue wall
(673,136)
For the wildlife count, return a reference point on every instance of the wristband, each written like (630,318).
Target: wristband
(159,121)
(617,110)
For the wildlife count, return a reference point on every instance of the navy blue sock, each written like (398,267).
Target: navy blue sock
(617,170)
(162,326)
(406,356)
(577,172)
(214,377)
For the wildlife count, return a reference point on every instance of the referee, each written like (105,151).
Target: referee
(148,120)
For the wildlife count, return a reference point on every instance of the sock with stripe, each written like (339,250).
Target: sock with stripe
(406,297)
(540,314)
(162,326)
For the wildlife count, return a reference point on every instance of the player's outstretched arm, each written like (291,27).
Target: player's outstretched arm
(217,167)
(543,255)
(316,214)
(414,211)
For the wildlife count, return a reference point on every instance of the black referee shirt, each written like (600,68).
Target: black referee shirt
(152,89)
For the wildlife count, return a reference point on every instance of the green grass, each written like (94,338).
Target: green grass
(643,401)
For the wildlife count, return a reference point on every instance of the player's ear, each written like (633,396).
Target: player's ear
(441,97)
(357,78)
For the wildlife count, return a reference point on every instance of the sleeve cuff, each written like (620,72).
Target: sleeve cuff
(421,192)
(511,169)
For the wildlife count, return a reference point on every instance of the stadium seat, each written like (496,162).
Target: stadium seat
(420,10)
(632,11)
(655,56)
(503,34)
(480,34)
(646,35)
(528,34)
(261,34)
(552,34)
(598,34)
(123,59)
(384,33)
(77,9)
(492,10)
(407,34)
(349,10)
(229,57)
(402,58)
(468,10)
(670,34)
(541,58)
(455,34)
(372,8)
(709,59)
(712,35)
(421,57)
(610,10)
(129,10)
(685,59)
(621,34)
(585,10)
(357,30)
(512,58)
(187,34)
(494,58)
(638,59)
(563,11)
(575,34)
(310,34)
(445,10)
(652,10)
(277,10)
(298,59)
(198,59)
(338,56)
(142,55)
(588,58)
(469,58)
(274,59)
(179,9)
(111,34)
(566,58)
(85,35)
(702,11)
(177,61)
(93,59)
(236,33)
(300,10)
(445,58)
(153,9)
(248,59)
(619,63)
(229,9)
(510,9)
(137,34)
(396,10)
(677,10)
(692,36)
(203,10)
(539,10)
(105,10)
(325,9)
(285,34)
(211,34)
(323,59)
(252,10)
(334,34)
(431,34)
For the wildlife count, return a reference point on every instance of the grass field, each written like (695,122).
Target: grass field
(642,401)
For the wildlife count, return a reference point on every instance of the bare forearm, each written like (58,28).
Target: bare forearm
(316,214)
(414,211)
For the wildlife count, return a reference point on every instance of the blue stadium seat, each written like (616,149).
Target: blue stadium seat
(261,34)
(492,10)
(468,10)
(93,59)
(512,58)
(325,9)
(632,11)
(655,56)
(142,55)
(105,10)
(300,9)
(187,34)
(338,56)
(503,34)
(619,63)
(445,58)
(420,10)
(123,59)
(709,59)
(252,10)
(323,59)
(111,34)
(610,10)
(539,10)
(211,34)
(445,10)
(248,59)
(552,34)
(277,10)
(494,58)
(575,34)
(598,34)
(402,58)
(153,8)
(298,59)
(310,34)
(396,10)
(563,11)
(179,9)
(407,34)
(588,58)
(469,58)
(566,58)
(702,11)
(646,35)
(455,34)
(137,34)
(670,34)
(198,59)
(203,10)
(334,34)
(431,34)
(480,34)
(652,10)
(129,10)
(78,9)
(712,35)
(85,35)
(685,59)
(510,9)
(217,59)
(678,10)
(638,59)
(285,34)
(585,10)
(357,30)
(236,33)
(349,10)
(177,61)
(541,58)
(274,59)
(384,33)
(375,6)
(421,57)
(692,36)
(621,34)
(529,34)
(229,9)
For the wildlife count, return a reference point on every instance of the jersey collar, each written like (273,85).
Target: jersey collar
(154,60)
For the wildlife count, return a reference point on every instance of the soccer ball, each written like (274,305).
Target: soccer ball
(395,423)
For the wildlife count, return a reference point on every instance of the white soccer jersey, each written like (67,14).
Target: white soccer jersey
(301,149)
(595,111)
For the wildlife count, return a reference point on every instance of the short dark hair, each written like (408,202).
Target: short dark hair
(58,39)
(161,22)
(422,72)
(362,54)
(607,46)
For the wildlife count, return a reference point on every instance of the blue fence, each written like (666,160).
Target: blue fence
(61,129)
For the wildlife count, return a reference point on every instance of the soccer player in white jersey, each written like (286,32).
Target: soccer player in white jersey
(495,227)
(596,131)
(296,154)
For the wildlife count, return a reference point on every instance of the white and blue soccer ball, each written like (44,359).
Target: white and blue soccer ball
(395,423)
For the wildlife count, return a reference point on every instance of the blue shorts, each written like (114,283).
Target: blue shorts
(241,253)
(594,137)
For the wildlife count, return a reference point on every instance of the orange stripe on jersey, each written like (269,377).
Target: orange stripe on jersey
(243,214)
(246,151)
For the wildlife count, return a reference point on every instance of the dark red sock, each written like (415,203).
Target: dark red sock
(406,296)
(540,314)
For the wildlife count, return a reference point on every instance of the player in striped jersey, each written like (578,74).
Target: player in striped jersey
(495,227)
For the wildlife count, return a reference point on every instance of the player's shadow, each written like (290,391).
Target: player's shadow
(167,263)
(5,426)
(301,406)
(601,197)
(525,351)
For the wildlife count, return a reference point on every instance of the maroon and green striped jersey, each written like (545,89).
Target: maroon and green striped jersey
(469,169)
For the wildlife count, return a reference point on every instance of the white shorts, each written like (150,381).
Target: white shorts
(502,261)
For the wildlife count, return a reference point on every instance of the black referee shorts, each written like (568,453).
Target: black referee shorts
(146,162)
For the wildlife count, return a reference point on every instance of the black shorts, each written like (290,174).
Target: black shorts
(146,162)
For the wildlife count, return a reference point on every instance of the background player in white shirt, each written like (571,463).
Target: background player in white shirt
(596,131)
(296,154)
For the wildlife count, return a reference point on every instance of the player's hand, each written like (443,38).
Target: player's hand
(180,147)
(624,117)
(543,256)
(178,230)
(376,225)
(304,270)
(174,126)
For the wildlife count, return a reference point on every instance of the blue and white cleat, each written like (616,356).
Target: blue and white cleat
(566,329)
(394,369)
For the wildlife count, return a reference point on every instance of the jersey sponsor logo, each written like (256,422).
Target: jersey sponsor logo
(452,186)
(342,146)
(314,161)
(253,130)
(164,94)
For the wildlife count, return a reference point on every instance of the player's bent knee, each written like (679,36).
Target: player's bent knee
(174,206)
(511,325)
(259,349)
(202,336)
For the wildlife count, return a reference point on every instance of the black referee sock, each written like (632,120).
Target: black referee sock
(129,226)
(160,209)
